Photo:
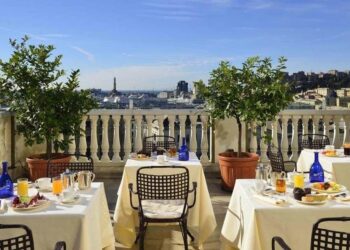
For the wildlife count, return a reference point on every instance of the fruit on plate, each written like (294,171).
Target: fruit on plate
(299,193)
(330,152)
(314,197)
(141,156)
(327,186)
(24,202)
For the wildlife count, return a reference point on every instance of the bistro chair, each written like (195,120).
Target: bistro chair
(159,142)
(314,141)
(163,198)
(56,168)
(22,241)
(323,238)
(278,164)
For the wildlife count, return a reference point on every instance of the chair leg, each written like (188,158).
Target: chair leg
(184,230)
(141,236)
(191,236)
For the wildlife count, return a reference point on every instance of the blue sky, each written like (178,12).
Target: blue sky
(152,44)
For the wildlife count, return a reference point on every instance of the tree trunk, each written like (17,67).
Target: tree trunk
(48,148)
(239,138)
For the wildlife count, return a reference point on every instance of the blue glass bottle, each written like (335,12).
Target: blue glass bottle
(316,171)
(6,184)
(184,154)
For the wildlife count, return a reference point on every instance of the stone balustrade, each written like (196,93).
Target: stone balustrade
(112,134)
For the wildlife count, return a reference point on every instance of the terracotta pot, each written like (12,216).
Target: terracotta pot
(38,165)
(232,168)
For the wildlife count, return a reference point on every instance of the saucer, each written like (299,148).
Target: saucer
(70,201)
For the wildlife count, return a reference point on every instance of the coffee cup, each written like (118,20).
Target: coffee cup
(68,195)
(43,183)
(161,158)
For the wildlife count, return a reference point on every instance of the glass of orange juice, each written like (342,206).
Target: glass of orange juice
(299,180)
(22,187)
(57,185)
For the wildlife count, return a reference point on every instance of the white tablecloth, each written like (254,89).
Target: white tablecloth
(84,225)
(337,168)
(201,218)
(250,223)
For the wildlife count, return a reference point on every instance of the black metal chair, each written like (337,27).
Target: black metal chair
(323,238)
(278,164)
(168,187)
(56,168)
(154,142)
(314,141)
(22,241)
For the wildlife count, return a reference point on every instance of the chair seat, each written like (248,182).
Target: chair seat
(163,209)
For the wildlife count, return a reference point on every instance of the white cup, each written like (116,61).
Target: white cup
(161,158)
(43,183)
(68,194)
(260,185)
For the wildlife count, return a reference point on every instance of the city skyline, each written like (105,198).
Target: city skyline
(153,44)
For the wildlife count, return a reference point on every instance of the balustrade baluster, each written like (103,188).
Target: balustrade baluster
(105,142)
(263,145)
(171,119)
(127,142)
(182,119)
(284,142)
(193,139)
(337,138)
(204,145)
(116,139)
(150,124)
(138,119)
(72,148)
(93,144)
(160,119)
(82,140)
(7,136)
(253,139)
(274,127)
(294,141)
(326,126)
(346,128)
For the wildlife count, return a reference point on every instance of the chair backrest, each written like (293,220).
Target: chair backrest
(276,161)
(314,141)
(56,168)
(160,141)
(323,239)
(162,183)
(20,242)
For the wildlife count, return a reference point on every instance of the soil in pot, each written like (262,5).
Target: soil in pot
(232,168)
(37,164)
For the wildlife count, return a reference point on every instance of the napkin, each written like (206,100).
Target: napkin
(3,206)
(271,199)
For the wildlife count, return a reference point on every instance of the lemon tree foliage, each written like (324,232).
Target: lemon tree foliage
(45,106)
(255,92)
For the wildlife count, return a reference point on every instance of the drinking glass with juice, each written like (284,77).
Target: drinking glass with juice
(22,187)
(299,180)
(57,185)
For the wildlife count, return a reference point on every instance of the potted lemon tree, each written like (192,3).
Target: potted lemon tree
(256,92)
(46,103)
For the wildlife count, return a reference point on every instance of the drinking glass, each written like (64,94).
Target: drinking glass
(57,185)
(281,183)
(346,147)
(22,187)
(299,180)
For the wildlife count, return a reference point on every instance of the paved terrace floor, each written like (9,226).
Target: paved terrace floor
(160,238)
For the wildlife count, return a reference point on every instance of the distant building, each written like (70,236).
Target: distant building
(182,87)
(114,92)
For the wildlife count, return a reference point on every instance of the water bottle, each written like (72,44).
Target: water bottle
(6,184)
(184,154)
(316,171)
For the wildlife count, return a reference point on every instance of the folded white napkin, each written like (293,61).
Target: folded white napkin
(3,206)
(271,199)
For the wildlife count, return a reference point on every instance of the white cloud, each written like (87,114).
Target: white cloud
(87,54)
(140,77)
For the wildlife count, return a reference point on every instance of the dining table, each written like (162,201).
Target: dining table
(83,223)
(335,167)
(201,218)
(252,219)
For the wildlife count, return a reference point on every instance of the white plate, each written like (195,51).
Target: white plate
(39,204)
(312,202)
(341,189)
